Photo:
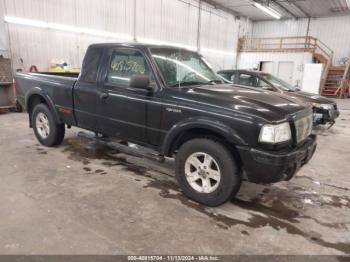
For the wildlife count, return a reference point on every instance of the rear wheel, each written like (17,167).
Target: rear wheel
(46,130)
(207,172)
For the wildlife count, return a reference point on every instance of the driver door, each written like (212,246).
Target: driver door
(122,109)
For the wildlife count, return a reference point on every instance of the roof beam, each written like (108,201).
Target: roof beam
(221,7)
(284,9)
(299,8)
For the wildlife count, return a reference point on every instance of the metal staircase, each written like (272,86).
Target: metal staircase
(337,82)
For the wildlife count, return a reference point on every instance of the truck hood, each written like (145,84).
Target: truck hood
(269,105)
(309,97)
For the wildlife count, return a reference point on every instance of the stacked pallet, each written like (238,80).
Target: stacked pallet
(6,94)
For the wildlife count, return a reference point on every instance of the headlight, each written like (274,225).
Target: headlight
(324,106)
(275,133)
(303,128)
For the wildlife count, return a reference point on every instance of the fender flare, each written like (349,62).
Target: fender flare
(202,123)
(37,91)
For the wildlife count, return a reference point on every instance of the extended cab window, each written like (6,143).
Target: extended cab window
(91,64)
(125,63)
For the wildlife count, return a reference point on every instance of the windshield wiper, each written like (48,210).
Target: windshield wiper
(187,83)
(190,83)
(215,81)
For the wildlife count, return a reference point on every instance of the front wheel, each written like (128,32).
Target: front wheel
(207,172)
(46,130)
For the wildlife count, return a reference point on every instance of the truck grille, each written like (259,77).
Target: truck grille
(303,128)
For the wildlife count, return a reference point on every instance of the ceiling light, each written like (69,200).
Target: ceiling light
(66,28)
(189,47)
(269,10)
(208,50)
(158,42)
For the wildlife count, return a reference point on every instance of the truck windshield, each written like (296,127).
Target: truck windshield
(279,83)
(183,68)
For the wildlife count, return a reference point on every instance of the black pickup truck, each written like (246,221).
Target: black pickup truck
(168,99)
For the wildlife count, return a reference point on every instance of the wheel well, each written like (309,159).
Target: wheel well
(32,102)
(204,133)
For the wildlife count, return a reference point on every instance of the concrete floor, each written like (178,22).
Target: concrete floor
(89,197)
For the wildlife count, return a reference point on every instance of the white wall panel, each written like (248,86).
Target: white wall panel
(42,47)
(245,27)
(228,40)
(249,60)
(48,10)
(167,20)
(4,43)
(174,21)
(37,48)
(277,28)
(220,61)
(219,30)
(335,33)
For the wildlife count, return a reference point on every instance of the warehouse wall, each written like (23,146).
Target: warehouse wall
(333,31)
(249,60)
(3,32)
(276,28)
(174,21)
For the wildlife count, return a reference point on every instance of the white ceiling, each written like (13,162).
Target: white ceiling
(287,8)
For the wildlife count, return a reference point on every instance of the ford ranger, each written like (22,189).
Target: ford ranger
(168,99)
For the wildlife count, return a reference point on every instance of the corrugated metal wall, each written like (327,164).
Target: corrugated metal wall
(278,28)
(3,33)
(174,21)
(42,47)
(218,31)
(333,31)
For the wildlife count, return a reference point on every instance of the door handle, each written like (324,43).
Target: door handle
(103,96)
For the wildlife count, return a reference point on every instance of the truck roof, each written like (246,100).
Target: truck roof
(248,71)
(135,44)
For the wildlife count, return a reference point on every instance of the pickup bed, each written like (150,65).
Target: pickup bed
(170,100)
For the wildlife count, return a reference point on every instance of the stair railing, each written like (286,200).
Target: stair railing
(325,72)
(343,82)
(323,49)
(277,44)
(284,44)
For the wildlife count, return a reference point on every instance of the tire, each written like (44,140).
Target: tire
(194,181)
(46,130)
(19,108)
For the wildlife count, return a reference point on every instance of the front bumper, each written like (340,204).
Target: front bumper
(269,167)
(323,116)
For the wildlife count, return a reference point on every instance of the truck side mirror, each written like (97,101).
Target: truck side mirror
(140,81)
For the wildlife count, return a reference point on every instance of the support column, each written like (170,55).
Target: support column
(199,25)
